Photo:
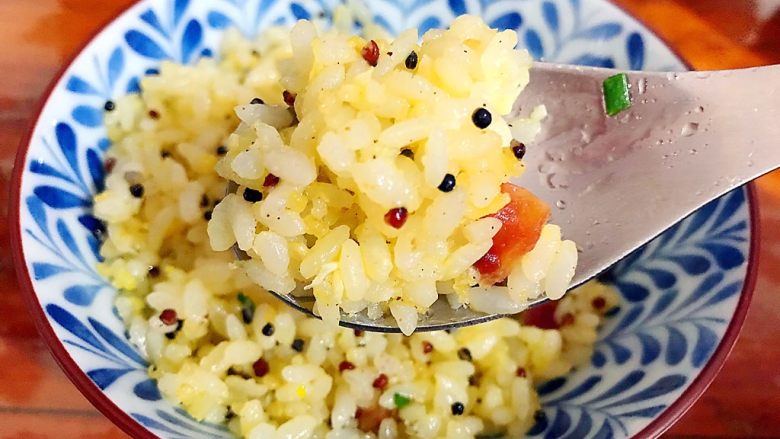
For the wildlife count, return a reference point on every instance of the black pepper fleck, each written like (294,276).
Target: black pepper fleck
(137,190)
(207,215)
(297,345)
(154,114)
(268,330)
(406,152)
(448,183)
(257,101)
(481,118)
(252,195)
(165,153)
(222,150)
(204,200)
(154,271)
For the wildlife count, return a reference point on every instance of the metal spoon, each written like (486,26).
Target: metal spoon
(618,182)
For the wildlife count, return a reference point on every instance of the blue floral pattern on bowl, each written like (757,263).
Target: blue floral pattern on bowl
(679,292)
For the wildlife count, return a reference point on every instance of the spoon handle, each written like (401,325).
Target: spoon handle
(619,181)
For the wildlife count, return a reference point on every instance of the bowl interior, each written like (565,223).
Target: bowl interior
(683,295)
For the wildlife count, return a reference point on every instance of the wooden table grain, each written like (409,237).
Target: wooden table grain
(39,36)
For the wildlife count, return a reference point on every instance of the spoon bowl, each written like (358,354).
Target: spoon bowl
(616,182)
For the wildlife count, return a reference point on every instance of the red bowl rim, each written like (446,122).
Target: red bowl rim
(123,420)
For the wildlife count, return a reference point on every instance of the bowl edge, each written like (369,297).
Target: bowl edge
(126,423)
(82,382)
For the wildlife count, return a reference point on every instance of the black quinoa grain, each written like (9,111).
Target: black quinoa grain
(171,335)
(257,101)
(109,106)
(464,354)
(297,345)
(481,118)
(137,190)
(411,61)
(518,149)
(252,195)
(457,408)
(448,183)
(268,330)
(247,314)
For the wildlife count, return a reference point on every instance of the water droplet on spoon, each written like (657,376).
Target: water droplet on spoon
(689,129)
(641,85)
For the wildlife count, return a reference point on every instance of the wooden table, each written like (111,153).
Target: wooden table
(38,36)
